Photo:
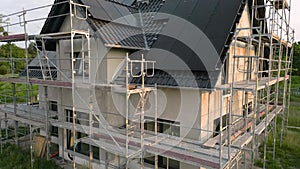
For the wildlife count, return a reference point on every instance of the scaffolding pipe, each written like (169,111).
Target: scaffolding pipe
(91,122)
(91,105)
(46,108)
(127,109)
(0,136)
(143,94)
(286,101)
(268,87)
(31,147)
(255,101)
(277,86)
(232,94)
(73,81)
(221,129)
(155,125)
(32,9)
(15,111)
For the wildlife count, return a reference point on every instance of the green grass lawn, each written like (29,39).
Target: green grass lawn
(296,82)
(21,92)
(288,154)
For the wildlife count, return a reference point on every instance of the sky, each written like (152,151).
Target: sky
(11,6)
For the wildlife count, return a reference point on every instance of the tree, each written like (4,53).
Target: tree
(16,52)
(2,30)
(296,63)
(32,53)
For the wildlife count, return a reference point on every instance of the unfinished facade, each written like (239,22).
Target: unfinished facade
(155,84)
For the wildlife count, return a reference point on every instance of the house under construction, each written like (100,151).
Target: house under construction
(153,83)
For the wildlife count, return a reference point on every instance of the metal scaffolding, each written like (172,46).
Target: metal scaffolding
(264,66)
(256,78)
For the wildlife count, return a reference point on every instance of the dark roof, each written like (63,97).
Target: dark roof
(51,56)
(108,11)
(180,78)
(106,19)
(35,68)
(115,34)
(36,72)
(124,2)
(175,78)
(53,25)
(214,19)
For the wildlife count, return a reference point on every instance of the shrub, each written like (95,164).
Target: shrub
(4,69)
(14,157)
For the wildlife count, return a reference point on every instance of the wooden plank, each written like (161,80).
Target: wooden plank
(39,146)
(250,86)
(9,38)
(53,83)
(279,40)
(199,156)
(261,126)
(242,141)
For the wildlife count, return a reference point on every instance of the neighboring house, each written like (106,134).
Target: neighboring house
(206,77)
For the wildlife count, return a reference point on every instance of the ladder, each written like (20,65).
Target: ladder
(44,61)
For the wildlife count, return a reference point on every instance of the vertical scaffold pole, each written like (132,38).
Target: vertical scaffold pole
(27,83)
(143,111)
(127,109)
(155,125)
(47,123)
(73,80)
(0,136)
(220,131)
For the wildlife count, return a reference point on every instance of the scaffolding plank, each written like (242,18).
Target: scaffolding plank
(21,116)
(251,85)
(282,41)
(262,126)
(242,141)
(10,38)
(182,151)
(39,146)
(184,156)
(23,120)
(213,141)
(122,89)
(52,83)
(106,146)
